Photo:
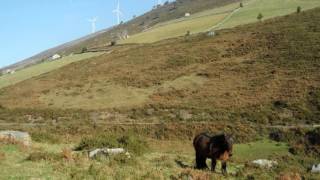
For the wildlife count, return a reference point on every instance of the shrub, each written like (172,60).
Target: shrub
(44,156)
(241,5)
(2,156)
(298,9)
(45,137)
(113,43)
(188,33)
(67,154)
(84,50)
(260,16)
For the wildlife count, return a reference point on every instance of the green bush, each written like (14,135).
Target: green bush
(298,9)
(44,156)
(260,16)
(45,137)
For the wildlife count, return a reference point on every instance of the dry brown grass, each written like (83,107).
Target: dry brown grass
(2,156)
(67,154)
(289,176)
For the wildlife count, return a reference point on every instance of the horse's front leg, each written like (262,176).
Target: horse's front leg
(213,164)
(224,167)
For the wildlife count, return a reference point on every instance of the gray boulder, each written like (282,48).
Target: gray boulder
(264,163)
(108,152)
(16,136)
(315,168)
(185,115)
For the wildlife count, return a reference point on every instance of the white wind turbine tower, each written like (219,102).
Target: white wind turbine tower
(118,12)
(93,22)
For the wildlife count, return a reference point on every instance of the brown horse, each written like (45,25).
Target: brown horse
(214,147)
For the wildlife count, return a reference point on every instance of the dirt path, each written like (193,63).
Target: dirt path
(302,126)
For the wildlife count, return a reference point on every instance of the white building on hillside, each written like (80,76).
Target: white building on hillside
(55,57)
(8,71)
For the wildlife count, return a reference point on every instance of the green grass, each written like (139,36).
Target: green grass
(269,9)
(161,161)
(42,68)
(14,166)
(203,21)
(196,23)
(263,149)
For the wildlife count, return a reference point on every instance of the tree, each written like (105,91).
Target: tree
(260,16)
(298,9)
(84,50)
(113,43)
(188,33)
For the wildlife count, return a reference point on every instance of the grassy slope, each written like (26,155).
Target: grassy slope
(42,68)
(136,25)
(196,23)
(269,9)
(248,14)
(241,68)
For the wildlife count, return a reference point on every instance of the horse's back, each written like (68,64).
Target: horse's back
(201,140)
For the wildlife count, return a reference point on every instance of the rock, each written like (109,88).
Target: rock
(211,33)
(264,163)
(108,152)
(185,115)
(150,112)
(277,136)
(16,136)
(315,168)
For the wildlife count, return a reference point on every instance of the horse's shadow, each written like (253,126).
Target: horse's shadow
(182,164)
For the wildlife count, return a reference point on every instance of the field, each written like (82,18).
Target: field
(42,68)
(204,21)
(163,159)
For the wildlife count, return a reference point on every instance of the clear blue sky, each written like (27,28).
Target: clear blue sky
(28,27)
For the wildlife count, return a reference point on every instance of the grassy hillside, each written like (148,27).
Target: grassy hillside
(269,9)
(152,99)
(36,70)
(203,21)
(251,72)
(102,38)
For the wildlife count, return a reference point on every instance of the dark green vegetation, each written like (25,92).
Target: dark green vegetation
(255,81)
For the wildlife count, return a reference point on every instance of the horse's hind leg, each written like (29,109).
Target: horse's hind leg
(213,164)
(201,162)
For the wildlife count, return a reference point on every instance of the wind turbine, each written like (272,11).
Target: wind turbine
(118,12)
(93,22)
(159,2)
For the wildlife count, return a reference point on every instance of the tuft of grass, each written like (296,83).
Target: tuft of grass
(2,156)
(44,156)
(45,137)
